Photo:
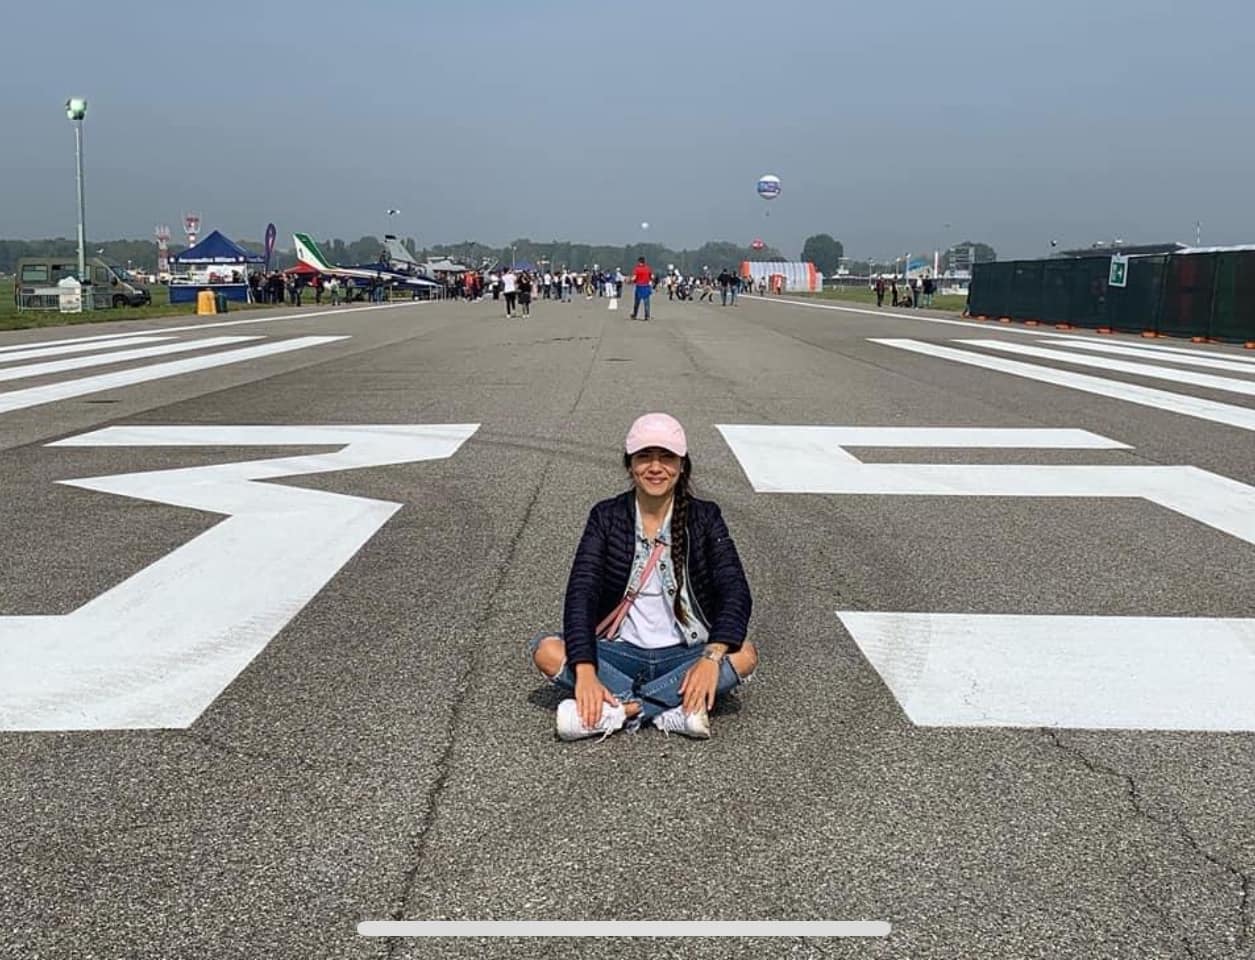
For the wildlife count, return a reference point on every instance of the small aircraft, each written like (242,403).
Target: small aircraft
(308,253)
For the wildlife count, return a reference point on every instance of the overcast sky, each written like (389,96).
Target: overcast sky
(1012,122)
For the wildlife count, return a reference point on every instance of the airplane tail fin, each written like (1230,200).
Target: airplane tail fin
(307,252)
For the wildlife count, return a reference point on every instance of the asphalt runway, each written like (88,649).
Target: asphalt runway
(1004,607)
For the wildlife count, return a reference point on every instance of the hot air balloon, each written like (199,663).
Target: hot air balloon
(768,186)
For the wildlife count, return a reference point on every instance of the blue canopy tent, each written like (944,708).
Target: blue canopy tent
(216,250)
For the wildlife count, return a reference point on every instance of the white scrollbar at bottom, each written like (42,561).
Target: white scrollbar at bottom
(624,928)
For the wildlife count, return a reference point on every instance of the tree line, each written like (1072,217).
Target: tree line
(713,255)
(142,254)
(822,249)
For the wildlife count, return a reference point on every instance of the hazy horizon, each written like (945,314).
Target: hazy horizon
(898,129)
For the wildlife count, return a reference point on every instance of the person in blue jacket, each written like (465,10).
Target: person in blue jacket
(657,604)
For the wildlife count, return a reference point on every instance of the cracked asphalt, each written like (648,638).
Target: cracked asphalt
(390,754)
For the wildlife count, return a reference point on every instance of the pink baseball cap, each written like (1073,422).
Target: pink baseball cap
(657,430)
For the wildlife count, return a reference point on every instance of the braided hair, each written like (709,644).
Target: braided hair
(679,529)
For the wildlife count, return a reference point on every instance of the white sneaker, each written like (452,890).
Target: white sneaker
(571,727)
(675,720)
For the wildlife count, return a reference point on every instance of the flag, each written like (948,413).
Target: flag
(270,244)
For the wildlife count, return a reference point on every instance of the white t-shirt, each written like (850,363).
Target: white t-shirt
(508,284)
(650,621)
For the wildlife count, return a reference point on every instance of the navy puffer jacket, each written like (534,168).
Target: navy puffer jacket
(603,564)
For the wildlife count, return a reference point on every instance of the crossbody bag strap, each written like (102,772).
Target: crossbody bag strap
(609,627)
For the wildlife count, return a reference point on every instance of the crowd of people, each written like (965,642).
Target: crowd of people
(292,287)
(559,284)
(518,288)
(702,287)
(915,292)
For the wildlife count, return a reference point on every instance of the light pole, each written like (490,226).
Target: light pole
(75,111)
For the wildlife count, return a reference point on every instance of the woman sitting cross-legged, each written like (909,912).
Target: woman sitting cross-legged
(657,604)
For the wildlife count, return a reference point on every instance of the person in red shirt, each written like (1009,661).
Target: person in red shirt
(643,277)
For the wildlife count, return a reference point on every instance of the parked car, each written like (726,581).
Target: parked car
(35,285)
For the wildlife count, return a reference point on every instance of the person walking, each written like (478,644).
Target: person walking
(880,291)
(333,290)
(657,605)
(509,290)
(643,278)
(525,293)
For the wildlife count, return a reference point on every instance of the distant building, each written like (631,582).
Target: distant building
(1124,249)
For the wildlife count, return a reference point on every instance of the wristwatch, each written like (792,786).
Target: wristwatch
(712,655)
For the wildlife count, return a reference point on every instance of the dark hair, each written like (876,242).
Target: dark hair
(679,528)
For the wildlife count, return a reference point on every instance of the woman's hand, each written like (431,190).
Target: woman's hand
(698,687)
(590,694)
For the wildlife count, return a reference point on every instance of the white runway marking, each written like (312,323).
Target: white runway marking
(1182,673)
(1233,416)
(1144,347)
(98,339)
(48,393)
(1126,673)
(313,314)
(1209,381)
(1234,364)
(156,650)
(813,459)
(970,324)
(121,356)
(78,346)
(987,326)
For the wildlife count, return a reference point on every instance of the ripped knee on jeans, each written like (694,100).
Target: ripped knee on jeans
(548,655)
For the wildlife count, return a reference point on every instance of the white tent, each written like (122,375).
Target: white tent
(797,275)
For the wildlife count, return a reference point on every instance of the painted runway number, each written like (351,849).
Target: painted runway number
(156,650)
(1095,672)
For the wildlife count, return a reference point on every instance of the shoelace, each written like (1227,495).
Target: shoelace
(606,727)
(668,723)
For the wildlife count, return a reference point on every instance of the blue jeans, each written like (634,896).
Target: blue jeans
(642,296)
(649,677)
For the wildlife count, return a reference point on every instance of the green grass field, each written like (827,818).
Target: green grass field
(866,295)
(13,319)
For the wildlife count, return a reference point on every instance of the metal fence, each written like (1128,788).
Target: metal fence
(1209,295)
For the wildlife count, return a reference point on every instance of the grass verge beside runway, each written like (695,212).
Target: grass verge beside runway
(866,295)
(11,318)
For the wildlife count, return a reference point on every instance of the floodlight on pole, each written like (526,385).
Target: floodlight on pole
(75,111)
